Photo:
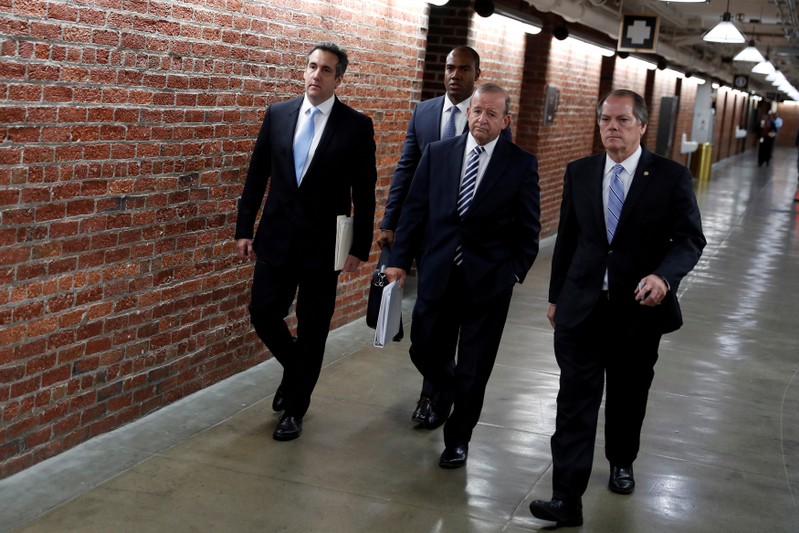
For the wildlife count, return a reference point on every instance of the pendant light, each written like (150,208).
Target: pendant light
(725,31)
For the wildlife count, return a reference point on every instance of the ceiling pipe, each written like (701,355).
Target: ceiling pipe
(607,23)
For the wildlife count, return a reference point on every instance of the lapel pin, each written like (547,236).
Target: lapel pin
(646,173)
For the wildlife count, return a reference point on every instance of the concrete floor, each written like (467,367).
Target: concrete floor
(720,449)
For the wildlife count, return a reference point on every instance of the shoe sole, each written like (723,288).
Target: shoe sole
(617,490)
(545,515)
(452,466)
(284,438)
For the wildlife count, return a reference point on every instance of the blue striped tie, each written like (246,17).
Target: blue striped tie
(466,193)
(615,200)
(449,129)
(303,144)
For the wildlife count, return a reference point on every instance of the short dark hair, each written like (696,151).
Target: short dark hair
(496,89)
(471,51)
(639,105)
(333,48)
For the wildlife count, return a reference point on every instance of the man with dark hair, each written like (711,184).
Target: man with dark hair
(473,213)
(629,231)
(432,120)
(317,156)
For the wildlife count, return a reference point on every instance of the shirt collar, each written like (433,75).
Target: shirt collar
(462,106)
(629,164)
(471,142)
(324,107)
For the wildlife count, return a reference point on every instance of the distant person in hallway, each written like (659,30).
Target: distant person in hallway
(768,134)
(629,231)
(472,213)
(317,156)
(432,120)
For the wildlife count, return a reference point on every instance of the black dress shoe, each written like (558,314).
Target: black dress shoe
(422,409)
(558,511)
(454,456)
(279,401)
(621,479)
(440,408)
(289,428)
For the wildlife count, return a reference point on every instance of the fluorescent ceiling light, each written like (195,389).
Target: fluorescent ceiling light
(520,24)
(750,54)
(590,47)
(725,32)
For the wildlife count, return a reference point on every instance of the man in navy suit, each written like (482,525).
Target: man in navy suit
(472,213)
(317,156)
(629,231)
(432,120)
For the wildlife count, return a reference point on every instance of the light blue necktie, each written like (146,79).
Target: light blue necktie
(303,144)
(615,200)
(449,129)
(466,193)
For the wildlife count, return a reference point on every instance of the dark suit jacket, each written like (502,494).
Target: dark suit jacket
(424,128)
(300,222)
(498,234)
(659,232)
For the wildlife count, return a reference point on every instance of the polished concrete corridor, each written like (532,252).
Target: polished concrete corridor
(720,449)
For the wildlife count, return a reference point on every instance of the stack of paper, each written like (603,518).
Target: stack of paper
(388,320)
(343,240)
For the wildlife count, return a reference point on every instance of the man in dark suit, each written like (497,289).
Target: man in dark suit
(318,157)
(629,231)
(432,120)
(473,213)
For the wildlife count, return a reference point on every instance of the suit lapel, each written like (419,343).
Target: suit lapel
(325,141)
(493,173)
(643,174)
(594,190)
(454,162)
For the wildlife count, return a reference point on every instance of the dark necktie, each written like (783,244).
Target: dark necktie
(466,193)
(615,201)
(449,129)
(303,144)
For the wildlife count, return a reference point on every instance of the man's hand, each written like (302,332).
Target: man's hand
(551,315)
(396,274)
(244,249)
(651,290)
(351,264)
(386,237)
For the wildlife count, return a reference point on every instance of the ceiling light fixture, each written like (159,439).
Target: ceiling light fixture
(764,67)
(750,54)
(725,31)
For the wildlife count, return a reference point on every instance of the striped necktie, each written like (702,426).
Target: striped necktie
(615,200)
(466,193)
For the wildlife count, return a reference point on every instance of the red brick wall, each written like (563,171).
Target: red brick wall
(125,134)
(501,49)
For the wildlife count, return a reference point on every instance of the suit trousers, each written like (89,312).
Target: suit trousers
(273,291)
(606,350)
(475,327)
